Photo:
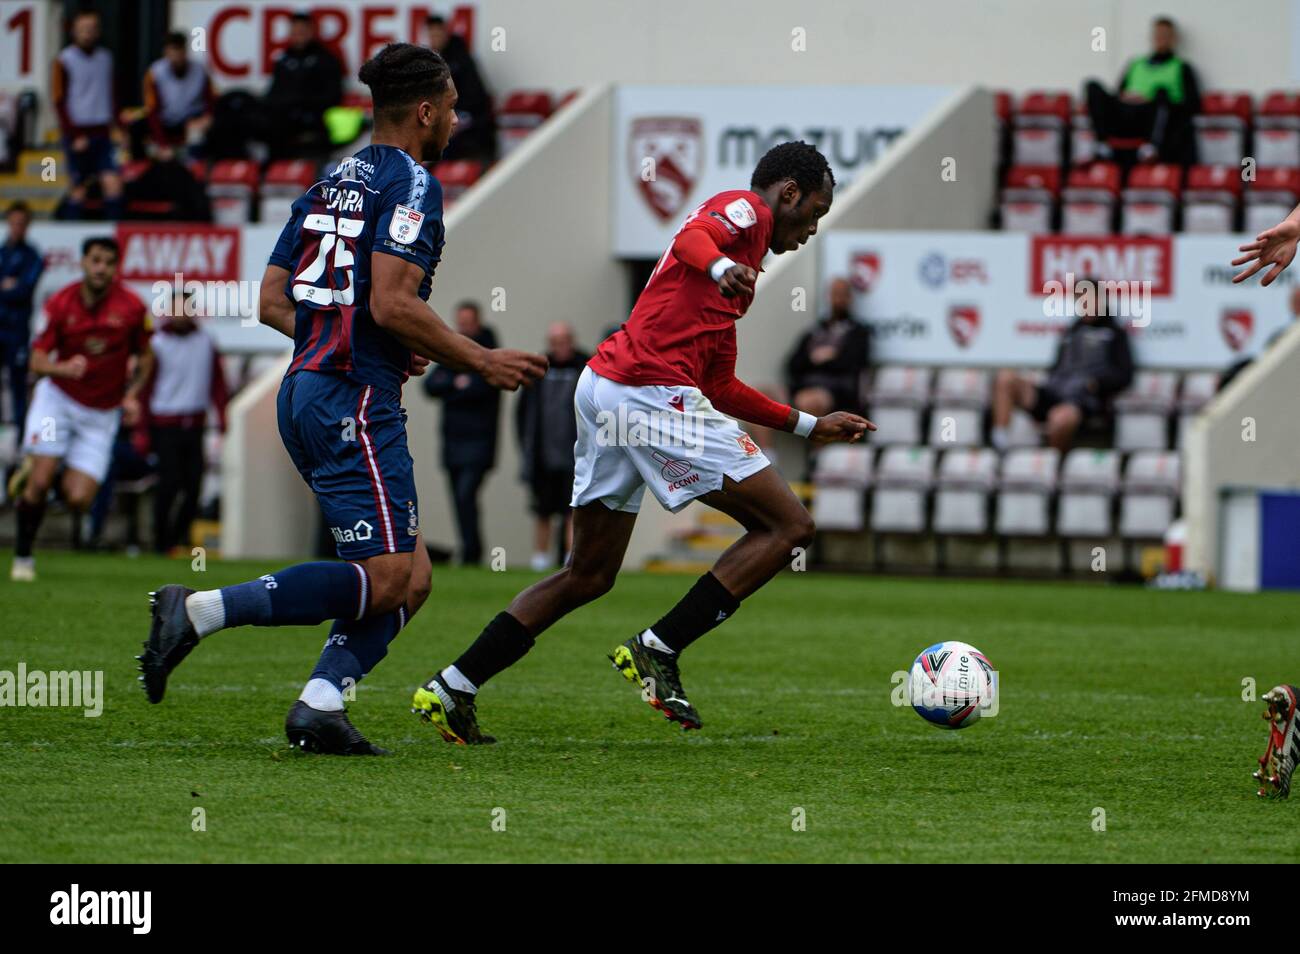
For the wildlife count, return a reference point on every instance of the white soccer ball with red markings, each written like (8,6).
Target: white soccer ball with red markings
(952,684)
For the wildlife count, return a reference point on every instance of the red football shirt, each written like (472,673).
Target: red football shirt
(108,334)
(682,330)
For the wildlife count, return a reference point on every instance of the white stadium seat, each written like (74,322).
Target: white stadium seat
(1025,490)
(898,397)
(903,480)
(1151,486)
(841,475)
(967,476)
(1199,388)
(957,412)
(1089,480)
(1142,412)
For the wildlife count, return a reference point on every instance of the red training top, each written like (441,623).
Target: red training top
(108,334)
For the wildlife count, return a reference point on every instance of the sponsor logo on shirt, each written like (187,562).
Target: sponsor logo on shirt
(405,225)
(741,212)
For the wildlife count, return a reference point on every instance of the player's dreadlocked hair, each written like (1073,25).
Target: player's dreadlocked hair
(401,74)
(793,160)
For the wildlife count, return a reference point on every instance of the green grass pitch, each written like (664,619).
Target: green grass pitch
(1123,700)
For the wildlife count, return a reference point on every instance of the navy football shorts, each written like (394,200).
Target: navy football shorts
(348,441)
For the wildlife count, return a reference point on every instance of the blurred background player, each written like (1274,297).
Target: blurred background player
(92,358)
(349,281)
(675,355)
(21,266)
(547,431)
(476,129)
(82,91)
(178,98)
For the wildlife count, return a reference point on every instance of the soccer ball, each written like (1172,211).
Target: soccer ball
(952,683)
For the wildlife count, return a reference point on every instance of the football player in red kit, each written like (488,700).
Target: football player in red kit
(655,407)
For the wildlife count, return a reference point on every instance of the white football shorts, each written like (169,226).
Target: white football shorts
(60,426)
(667,437)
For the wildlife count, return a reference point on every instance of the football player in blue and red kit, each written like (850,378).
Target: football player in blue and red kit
(349,281)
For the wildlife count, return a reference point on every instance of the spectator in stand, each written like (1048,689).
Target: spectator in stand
(306,81)
(475,136)
(20,269)
(1158,95)
(470,413)
(824,372)
(178,98)
(81,89)
(1093,364)
(547,431)
(186,382)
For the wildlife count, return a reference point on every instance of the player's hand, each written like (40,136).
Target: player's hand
(507,369)
(79,143)
(419,365)
(840,427)
(74,367)
(1275,246)
(130,410)
(737,280)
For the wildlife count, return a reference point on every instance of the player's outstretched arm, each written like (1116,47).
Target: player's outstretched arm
(397,308)
(1275,247)
(274,308)
(838,427)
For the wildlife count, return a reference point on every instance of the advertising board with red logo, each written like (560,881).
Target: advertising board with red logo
(992,299)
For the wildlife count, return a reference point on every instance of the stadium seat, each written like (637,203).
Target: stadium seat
(1151,198)
(1083,140)
(1029,198)
(1150,494)
(1221,128)
(897,399)
(232,186)
(456,177)
(521,112)
(284,182)
(1025,489)
(902,483)
(1088,202)
(957,414)
(1270,198)
(1277,131)
(1199,388)
(1210,199)
(1142,412)
(1023,431)
(966,479)
(1089,480)
(1038,136)
(841,476)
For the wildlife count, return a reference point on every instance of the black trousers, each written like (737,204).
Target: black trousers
(465,481)
(180,476)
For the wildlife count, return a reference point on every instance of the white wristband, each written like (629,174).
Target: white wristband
(719,268)
(805,424)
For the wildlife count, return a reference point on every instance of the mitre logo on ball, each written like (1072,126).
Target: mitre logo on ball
(963,324)
(667,156)
(864,270)
(1236,325)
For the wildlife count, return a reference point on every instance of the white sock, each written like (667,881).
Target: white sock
(998,437)
(322,695)
(455,679)
(206,610)
(648,638)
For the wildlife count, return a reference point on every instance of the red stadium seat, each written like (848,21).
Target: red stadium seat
(1151,199)
(1083,139)
(232,186)
(1277,130)
(1040,125)
(1221,128)
(284,181)
(1270,198)
(1029,198)
(456,177)
(1210,199)
(1088,202)
(521,112)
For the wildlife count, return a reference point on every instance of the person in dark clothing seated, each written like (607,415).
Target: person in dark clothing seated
(1158,95)
(475,136)
(824,372)
(306,81)
(470,412)
(1093,364)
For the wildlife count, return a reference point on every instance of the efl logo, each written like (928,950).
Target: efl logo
(963,324)
(158,252)
(1145,259)
(75,907)
(1236,326)
(864,270)
(667,155)
(936,270)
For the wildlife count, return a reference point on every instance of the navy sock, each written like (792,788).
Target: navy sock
(706,605)
(355,647)
(301,595)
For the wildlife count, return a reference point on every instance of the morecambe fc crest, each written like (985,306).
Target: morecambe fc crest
(666,155)
(1236,324)
(864,270)
(963,324)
